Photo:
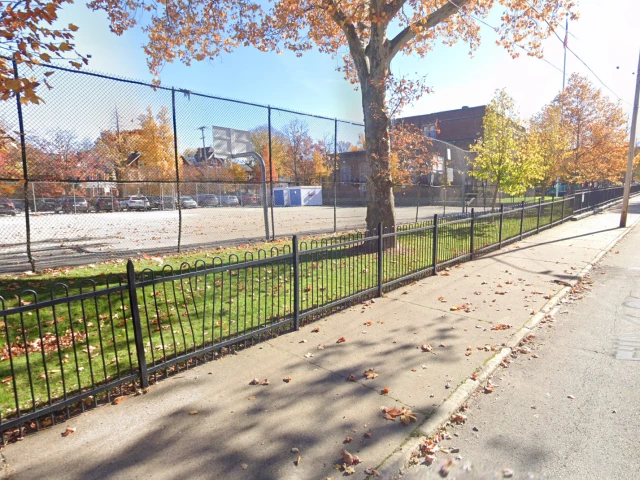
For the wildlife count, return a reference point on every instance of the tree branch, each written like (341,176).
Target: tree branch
(355,44)
(433,19)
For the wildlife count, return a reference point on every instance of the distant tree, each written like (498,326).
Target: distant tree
(507,155)
(554,139)
(299,147)
(274,160)
(597,134)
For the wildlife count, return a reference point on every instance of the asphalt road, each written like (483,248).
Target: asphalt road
(574,411)
(75,239)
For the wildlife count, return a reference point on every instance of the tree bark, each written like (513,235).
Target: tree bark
(380,202)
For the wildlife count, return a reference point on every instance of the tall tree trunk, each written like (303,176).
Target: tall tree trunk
(380,203)
(495,195)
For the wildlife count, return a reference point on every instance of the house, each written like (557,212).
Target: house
(460,127)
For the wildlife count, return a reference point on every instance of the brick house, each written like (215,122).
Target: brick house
(460,127)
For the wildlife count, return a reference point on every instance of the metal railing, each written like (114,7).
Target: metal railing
(87,341)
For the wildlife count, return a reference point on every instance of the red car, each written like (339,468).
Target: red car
(249,199)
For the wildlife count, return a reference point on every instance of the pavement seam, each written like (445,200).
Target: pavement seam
(394,468)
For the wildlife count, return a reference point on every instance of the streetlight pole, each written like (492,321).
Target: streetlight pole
(632,144)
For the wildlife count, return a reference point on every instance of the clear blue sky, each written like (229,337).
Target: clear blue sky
(604,37)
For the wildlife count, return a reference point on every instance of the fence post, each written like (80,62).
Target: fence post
(539,210)
(25,174)
(553,204)
(473,223)
(273,222)
(521,220)
(562,217)
(175,153)
(380,260)
(501,224)
(137,325)
(434,247)
(296,284)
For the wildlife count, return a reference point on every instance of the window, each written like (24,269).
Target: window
(345,173)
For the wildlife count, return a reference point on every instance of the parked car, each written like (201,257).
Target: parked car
(7,207)
(208,200)
(136,202)
(163,203)
(18,204)
(229,200)
(48,205)
(72,205)
(107,204)
(249,199)
(188,202)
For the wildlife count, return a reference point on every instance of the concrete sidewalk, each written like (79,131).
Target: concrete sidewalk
(245,431)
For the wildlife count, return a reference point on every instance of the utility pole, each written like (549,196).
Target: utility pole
(632,145)
(204,147)
(566,41)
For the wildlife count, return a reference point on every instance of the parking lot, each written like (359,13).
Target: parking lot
(67,239)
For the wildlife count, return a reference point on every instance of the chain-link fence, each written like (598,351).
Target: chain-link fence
(110,168)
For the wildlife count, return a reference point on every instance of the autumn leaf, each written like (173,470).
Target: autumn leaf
(341,340)
(352,378)
(118,400)
(286,379)
(348,440)
(427,348)
(264,382)
(385,391)
(458,418)
(255,381)
(369,374)
(501,326)
(488,388)
(193,412)
(316,330)
(68,431)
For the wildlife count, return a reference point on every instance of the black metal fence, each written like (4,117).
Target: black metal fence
(85,342)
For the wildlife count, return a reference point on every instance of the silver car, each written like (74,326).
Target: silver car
(188,202)
(137,202)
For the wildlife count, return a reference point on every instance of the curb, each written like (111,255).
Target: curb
(397,463)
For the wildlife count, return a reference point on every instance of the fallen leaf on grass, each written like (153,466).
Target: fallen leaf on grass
(7,380)
(369,374)
(68,431)
(341,340)
(286,379)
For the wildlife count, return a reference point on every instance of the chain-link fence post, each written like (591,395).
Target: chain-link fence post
(175,151)
(335,174)
(25,174)
(273,223)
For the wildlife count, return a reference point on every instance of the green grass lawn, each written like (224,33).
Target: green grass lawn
(75,346)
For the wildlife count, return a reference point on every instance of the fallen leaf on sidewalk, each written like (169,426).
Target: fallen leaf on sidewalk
(352,378)
(571,397)
(118,400)
(349,459)
(308,355)
(368,324)
(286,379)
(474,376)
(255,381)
(341,340)
(385,391)
(405,292)
(316,330)
(445,468)
(68,431)
(348,440)
(441,299)
(426,348)
(488,388)
(372,471)
(458,418)
(369,374)
(501,326)
(298,460)
(193,412)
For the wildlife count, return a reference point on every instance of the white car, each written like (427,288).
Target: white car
(137,202)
